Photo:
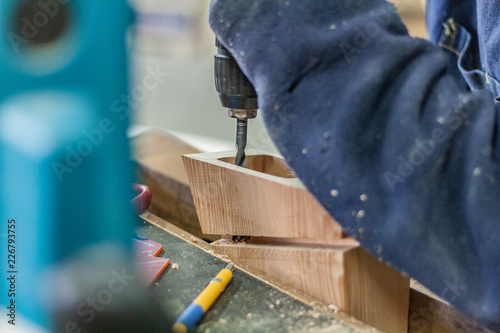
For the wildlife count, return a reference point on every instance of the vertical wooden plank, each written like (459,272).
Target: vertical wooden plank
(373,290)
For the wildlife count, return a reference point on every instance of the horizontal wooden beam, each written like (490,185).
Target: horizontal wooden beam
(342,274)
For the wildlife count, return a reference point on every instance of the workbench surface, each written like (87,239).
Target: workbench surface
(247,305)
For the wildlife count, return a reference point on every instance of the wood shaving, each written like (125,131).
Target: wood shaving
(194,239)
(176,266)
(333,307)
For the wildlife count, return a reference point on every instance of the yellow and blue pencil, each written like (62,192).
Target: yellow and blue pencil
(204,301)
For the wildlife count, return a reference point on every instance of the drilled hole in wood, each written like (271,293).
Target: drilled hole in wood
(267,164)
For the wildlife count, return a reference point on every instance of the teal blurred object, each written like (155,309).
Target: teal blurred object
(65,176)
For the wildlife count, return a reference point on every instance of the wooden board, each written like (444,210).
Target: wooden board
(341,273)
(430,314)
(263,199)
(375,292)
(159,159)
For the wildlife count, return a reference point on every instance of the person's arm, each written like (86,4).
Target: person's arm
(394,148)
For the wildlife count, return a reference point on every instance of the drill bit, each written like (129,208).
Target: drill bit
(241,142)
(240,160)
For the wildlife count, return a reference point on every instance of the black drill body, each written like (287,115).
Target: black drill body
(237,94)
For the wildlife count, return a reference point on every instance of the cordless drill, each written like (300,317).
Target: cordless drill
(237,94)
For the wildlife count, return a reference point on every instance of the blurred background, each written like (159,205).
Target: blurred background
(173,37)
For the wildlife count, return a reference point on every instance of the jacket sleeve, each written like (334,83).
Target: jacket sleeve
(399,153)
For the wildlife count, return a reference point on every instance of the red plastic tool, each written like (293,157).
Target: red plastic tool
(149,266)
(143,199)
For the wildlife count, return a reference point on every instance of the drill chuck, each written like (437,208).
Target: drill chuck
(236,93)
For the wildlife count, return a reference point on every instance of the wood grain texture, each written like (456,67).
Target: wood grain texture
(430,314)
(264,199)
(341,273)
(375,292)
(159,166)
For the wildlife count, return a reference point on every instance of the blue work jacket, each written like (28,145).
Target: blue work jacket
(397,137)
